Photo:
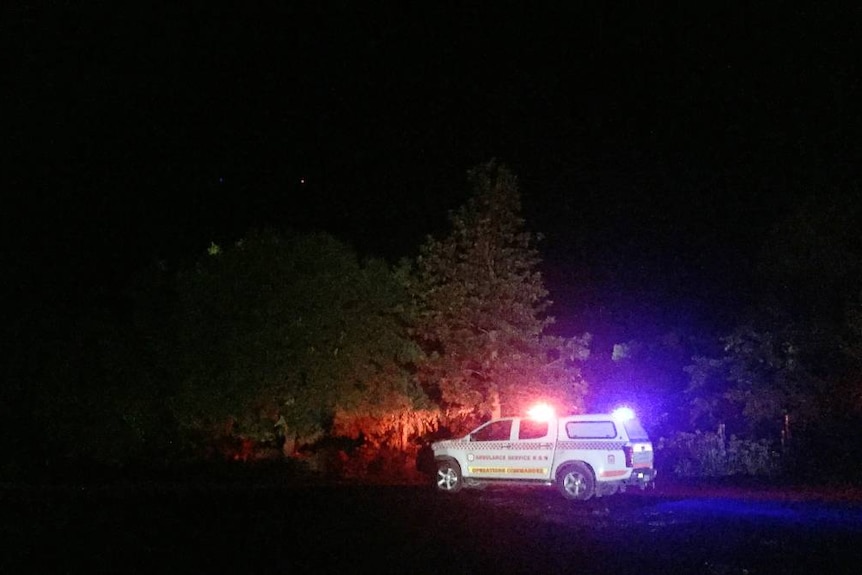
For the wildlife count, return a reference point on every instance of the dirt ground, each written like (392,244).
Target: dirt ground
(270,526)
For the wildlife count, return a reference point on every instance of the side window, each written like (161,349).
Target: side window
(532,429)
(591,430)
(494,431)
(635,430)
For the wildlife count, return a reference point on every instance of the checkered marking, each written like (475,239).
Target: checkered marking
(534,446)
(478,445)
(590,445)
(497,445)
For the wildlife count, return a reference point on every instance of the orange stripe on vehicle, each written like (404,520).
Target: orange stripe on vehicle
(615,473)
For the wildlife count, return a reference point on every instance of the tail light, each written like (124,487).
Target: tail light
(628,450)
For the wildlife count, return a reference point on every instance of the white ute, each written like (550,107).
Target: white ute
(583,455)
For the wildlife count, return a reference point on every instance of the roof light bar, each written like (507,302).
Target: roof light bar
(541,412)
(623,414)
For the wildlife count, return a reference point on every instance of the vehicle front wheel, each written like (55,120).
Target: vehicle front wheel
(449,477)
(576,481)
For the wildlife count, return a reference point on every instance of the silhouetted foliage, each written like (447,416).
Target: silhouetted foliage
(791,370)
(756,383)
(103,389)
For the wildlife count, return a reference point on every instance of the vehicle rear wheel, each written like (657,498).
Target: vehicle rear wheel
(576,481)
(449,477)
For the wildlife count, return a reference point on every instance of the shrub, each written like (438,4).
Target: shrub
(708,454)
(752,457)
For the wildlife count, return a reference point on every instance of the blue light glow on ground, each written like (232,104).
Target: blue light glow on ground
(810,513)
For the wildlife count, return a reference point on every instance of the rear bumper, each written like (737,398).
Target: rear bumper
(642,476)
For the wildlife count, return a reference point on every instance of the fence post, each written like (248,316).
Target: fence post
(785,433)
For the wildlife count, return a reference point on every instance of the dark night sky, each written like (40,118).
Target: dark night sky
(654,146)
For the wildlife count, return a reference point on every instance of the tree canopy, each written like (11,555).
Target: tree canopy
(280,331)
(482,310)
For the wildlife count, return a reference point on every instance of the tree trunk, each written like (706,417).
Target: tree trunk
(494,398)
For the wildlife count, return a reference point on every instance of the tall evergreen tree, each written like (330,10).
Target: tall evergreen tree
(483,309)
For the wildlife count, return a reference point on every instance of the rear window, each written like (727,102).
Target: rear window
(635,430)
(591,430)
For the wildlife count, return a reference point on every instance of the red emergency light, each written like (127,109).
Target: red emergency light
(541,412)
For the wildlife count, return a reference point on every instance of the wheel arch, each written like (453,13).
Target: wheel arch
(449,458)
(561,466)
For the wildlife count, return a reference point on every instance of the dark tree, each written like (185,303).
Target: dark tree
(277,333)
(791,368)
